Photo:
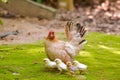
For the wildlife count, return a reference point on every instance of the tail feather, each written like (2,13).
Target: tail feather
(81,30)
(68,29)
(82,41)
(69,25)
(74,34)
(76,37)
(83,33)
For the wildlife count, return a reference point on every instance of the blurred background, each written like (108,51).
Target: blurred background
(24,21)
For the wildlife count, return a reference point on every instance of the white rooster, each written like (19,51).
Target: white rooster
(66,50)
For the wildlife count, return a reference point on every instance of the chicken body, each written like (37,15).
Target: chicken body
(65,50)
(57,50)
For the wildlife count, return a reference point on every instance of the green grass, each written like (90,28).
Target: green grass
(25,61)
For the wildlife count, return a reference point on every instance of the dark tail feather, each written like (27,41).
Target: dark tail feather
(69,25)
(68,29)
(84,33)
(81,30)
(82,41)
(78,27)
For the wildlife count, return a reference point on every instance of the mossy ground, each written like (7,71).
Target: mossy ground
(25,61)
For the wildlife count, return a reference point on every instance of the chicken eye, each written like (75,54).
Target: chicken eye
(52,32)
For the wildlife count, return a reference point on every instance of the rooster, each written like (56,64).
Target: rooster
(66,50)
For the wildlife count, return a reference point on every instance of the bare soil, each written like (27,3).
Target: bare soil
(30,30)
(103,18)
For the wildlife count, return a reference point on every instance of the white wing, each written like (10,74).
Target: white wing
(63,66)
(70,49)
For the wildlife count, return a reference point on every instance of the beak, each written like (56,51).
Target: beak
(55,60)
(51,35)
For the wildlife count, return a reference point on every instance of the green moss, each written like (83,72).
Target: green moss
(25,61)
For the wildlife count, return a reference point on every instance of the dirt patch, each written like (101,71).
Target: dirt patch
(30,30)
(102,18)
(33,29)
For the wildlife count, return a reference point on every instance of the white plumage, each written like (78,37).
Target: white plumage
(49,64)
(63,50)
(82,67)
(61,65)
(70,49)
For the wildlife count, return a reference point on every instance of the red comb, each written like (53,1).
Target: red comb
(51,31)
